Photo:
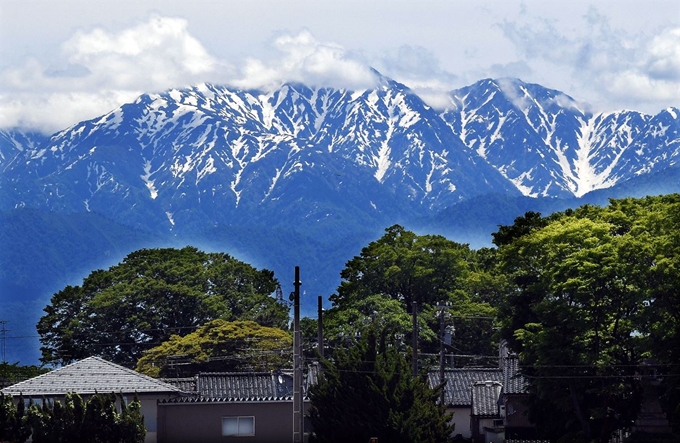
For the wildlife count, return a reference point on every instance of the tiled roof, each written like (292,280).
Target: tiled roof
(241,386)
(175,400)
(485,396)
(235,386)
(244,385)
(513,381)
(88,376)
(459,381)
(186,384)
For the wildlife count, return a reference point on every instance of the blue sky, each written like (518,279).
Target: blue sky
(65,61)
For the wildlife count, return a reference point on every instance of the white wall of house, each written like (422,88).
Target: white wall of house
(150,411)
(461,420)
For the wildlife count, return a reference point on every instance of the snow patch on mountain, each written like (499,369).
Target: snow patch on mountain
(146,177)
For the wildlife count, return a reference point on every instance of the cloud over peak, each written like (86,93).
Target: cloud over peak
(302,58)
(98,70)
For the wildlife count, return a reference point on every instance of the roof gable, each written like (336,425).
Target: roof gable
(89,376)
(485,396)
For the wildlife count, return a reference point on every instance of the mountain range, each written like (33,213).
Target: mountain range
(309,175)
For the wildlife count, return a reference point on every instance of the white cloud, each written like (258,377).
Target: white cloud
(99,70)
(663,56)
(302,58)
(609,60)
(611,67)
(160,48)
(420,70)
(58,110)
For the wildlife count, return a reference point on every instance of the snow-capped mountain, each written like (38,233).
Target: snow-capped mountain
(204,156)
(547,145)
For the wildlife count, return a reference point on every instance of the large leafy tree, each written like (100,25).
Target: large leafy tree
(368,391)
(219,346)
(402,267)
(151,295)
(593,297)
(405,267)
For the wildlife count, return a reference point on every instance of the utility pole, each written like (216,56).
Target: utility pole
(414,340)
(3,331)
(298,415)
(442,313)
(320,326)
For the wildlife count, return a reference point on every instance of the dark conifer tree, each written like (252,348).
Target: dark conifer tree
(368,391)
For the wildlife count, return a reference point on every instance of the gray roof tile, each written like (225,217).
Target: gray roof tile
(88,376)
(460,380)
(185,384)
(244,385)
(513,381)
(485,395)
(235,386)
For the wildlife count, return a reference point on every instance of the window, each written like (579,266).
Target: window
(238,426)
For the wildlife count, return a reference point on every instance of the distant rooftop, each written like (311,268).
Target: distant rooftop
(485,396)
(459,381)
(89,376)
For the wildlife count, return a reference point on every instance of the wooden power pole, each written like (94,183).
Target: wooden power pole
(320,326)
(298,414)
(414,340)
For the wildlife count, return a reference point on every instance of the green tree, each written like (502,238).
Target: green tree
(368,391)
(13,423)
(100,418)
(96,420)
(219,346)
(151,295)
(11,373)
(405,267)
(593,296)
(39,418)
(131,422)
(402,267)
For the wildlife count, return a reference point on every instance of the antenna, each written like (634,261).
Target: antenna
(3,331)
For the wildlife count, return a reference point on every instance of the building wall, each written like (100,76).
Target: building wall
(461,420)
(202,422)
(516,412)
(150,412)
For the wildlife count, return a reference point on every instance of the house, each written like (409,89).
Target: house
(488,404)
(485,414)
(224,407)
(458,394)
(96,375)
(515,416)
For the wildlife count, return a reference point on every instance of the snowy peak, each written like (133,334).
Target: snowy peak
(543,141)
